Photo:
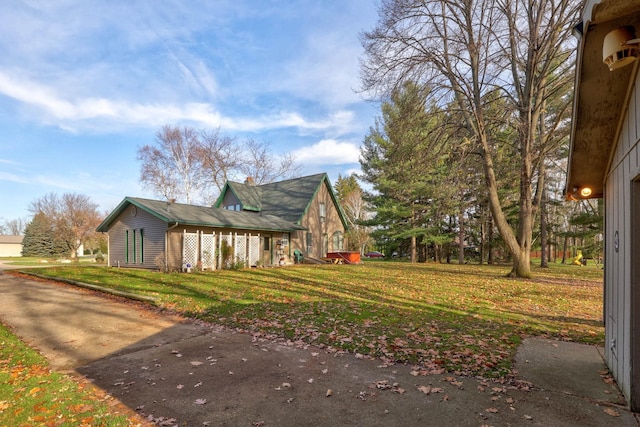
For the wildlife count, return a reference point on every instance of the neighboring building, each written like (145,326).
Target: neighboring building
(605,162)
(11,245)
(251,224)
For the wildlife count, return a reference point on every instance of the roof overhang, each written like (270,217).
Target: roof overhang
(600,96)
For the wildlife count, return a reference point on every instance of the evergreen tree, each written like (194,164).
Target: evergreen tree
(40,239)
(405,160)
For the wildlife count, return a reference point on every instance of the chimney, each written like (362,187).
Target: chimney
(169,203)
(249,181)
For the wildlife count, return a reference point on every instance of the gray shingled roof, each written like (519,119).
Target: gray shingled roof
(201,216)
(10,239)
(278,206)
(288,199)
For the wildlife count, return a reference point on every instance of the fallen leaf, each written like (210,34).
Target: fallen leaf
(200,401)
(492,410)
(329,393)
(426,389)
(612,412)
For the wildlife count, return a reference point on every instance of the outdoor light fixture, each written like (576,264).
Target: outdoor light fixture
(578,193)
(620,48)
(585,191)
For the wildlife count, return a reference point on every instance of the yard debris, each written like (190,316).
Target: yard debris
(612,412)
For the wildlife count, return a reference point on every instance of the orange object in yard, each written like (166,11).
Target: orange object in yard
(346,257)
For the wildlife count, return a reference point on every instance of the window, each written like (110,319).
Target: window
(338,241)
(309,243)
(141,246)
(323,212)
(134,246)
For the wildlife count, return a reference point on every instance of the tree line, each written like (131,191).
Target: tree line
(476,101)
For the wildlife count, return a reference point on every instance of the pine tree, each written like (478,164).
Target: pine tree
(39,239)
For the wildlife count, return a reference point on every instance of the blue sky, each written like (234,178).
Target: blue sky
(84,84)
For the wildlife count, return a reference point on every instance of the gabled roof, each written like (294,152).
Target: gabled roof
(600,95)
(183,214)
(289,199)
(10,239)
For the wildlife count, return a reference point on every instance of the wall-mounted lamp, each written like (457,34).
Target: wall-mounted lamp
(585,192)
(578,193)
(620,48)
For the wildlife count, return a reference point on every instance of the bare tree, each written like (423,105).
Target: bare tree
(13,227)
(220,159)
(74,218)
(350,196)
(466,50)
(264,167)
(193,165)
(173,167)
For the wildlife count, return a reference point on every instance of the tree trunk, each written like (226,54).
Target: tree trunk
(543,235)
(490,241)
(520,246)
(414,250)
(461,238)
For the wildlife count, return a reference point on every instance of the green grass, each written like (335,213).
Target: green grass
(37,261)
(30,394)
(465,319)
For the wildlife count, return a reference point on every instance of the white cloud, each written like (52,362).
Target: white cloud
(91,112)
(328,152)
(10,177)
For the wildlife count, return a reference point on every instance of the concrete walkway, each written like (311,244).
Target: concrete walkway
(178,372)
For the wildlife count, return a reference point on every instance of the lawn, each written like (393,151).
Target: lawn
(465,319)
(30,394)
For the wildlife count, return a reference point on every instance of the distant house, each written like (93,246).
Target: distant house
(605,163)
(11,245)
(249,224)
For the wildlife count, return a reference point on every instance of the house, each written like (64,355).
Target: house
(249,224)
(604,162)
(11,245)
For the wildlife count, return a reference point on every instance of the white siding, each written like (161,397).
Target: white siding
(625,167)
